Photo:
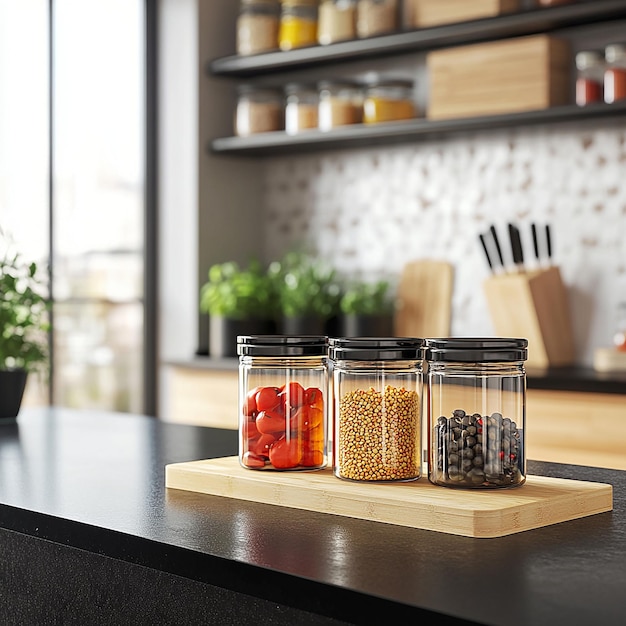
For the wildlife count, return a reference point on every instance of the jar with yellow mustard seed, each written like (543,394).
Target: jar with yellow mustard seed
(388,100)
(298,24)
(377,386)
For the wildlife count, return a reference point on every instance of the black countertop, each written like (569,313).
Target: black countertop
(94,481)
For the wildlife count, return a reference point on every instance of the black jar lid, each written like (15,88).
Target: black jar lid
(376,348)
(477,349)
(282,345)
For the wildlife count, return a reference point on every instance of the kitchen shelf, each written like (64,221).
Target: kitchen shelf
(393,133)
(518,24)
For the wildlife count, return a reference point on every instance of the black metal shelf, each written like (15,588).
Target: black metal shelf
(391,133)
(512,25)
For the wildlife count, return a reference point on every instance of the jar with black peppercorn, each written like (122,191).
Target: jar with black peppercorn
(476,412)
(377,388)
(283,401)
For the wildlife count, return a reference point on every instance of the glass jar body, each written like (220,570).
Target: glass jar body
(376,17)
(377,420)
(257,27)
(301,109)
(476,420)
(615,73)
(283,409)
(258,111)
(388,102)
(298,24)
(589,78)
(337,21)
(339,105)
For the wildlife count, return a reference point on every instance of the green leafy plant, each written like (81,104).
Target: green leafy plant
(237,293)
(367,298)
(305,286)
(23,312)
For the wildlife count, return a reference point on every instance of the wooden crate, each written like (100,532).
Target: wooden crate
(426,13)
(511,76)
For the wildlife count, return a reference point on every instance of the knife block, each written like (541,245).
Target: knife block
(533,305)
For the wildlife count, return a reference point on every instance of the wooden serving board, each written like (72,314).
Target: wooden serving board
(540,502)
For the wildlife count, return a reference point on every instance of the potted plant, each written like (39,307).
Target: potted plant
(239,302)
(23,327)
(367,309)
(308,294)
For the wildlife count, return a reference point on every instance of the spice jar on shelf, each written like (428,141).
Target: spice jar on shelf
(590,76)
(340,104)
(259,110)
(337,21)
(298,24)
(615,72)
(257,26)
(301,108)
(376,17)
(377,385)
(283,401)
(476,412)
(388,100)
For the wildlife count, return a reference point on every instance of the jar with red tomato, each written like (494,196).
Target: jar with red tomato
(283,401)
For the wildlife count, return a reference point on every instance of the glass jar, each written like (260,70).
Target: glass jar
(619,338)
(553,3)
(376,17)
(301,109)
(340,104)
(259,110)
(283,400)
(476,412)
(257,26)
(337,21)
(377,386)
(615,73)
(590,76)
(388,101)
(298,24)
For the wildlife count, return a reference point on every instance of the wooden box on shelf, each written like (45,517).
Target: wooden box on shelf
(426,13)
(533,305)
(511,76)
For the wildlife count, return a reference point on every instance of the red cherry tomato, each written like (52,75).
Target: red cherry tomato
(312,458)
(267,398)
(286,453)
(270,423)
(249,429)
(313,397)
(249,406)
(250,459)
(295,394)
(261,446)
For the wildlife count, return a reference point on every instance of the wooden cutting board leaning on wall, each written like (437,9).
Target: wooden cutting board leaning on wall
(424,299)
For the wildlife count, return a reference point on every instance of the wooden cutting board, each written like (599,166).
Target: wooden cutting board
(542,501)
(424,299)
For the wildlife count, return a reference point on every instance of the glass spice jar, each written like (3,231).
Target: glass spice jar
(615,73)
(283,401)
(590,76)
(340,104)
(298,24)
(257,26)
(476,412)
(259,110)
(301,109)
(337,21)
(377,385)
(376,17)
(388,101)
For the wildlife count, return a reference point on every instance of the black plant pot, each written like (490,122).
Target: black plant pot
(303,325)
(223,332)
(367,325)
(12,384)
